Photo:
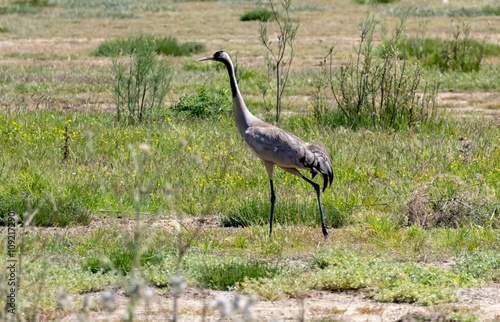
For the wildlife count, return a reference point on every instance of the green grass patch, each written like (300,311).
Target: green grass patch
(165,46)
(486,79)
(260,14)
(286,212)
(223,273)
(49,211)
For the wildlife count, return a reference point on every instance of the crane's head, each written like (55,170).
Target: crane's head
(220,56)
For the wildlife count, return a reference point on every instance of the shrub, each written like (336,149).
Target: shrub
(141,84)
(165,46)
(460,53)
(490,10)
(203,103)
(429,208)
(260,14)
(171,47)
(378,90)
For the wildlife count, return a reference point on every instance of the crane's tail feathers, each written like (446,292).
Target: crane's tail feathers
(320,163)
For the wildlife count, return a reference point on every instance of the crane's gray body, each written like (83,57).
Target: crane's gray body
(277,147)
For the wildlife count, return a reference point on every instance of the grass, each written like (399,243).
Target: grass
(486,79)
(384,167)
(51,211)
(223,273)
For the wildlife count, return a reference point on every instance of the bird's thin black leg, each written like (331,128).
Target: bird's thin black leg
(317,188)
(273,199)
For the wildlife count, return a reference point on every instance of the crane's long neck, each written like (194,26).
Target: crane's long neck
(242,115)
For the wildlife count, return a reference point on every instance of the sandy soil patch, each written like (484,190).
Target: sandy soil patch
(343,306)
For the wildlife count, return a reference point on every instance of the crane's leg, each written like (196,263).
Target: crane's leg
(317,188)
(270,169)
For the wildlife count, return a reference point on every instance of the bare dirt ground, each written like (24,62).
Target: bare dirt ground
(342,306)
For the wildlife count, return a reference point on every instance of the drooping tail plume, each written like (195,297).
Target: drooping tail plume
(321,163)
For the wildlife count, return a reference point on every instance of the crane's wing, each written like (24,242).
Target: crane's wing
(286,150)
(275,145)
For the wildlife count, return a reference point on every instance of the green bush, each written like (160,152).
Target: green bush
(141,84)
(260,14)
(378,91)
(490,10)
(165,46)
(203,103)
(461,53)
(171,47)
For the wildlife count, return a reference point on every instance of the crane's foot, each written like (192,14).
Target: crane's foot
(325,232)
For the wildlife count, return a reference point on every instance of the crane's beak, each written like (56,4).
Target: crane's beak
(207,58)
